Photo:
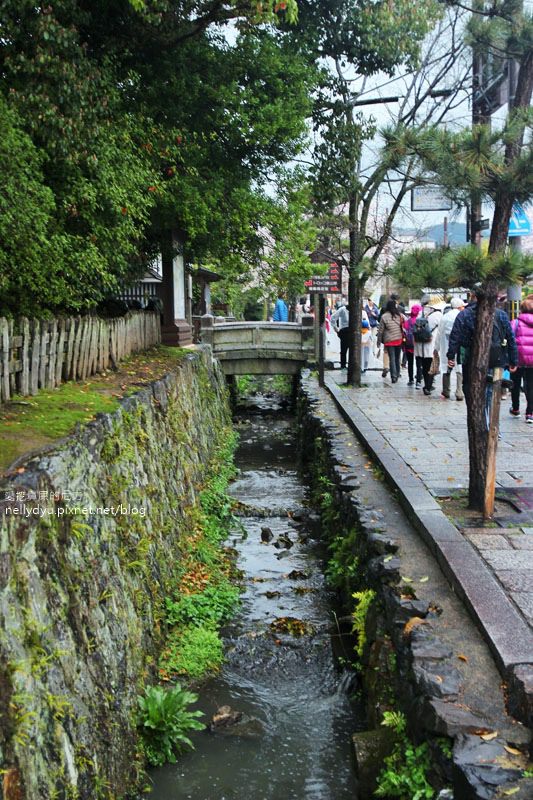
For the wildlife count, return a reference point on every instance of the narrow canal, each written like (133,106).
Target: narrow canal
(293,739)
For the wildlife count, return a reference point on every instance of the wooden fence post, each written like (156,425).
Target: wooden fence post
(35,353)
(4,367)
(24,383)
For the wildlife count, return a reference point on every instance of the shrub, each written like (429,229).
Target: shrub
(210,607)
(164,722)
(192,651)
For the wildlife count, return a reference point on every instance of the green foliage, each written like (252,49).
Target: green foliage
(343,565)
(405,773)
(120,123)
(208,608)
(164,722)
(193,652)
(442,269)
(364,599)
(206,595)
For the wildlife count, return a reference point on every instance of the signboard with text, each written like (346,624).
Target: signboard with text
(330,283)
(519,224)
(429,198)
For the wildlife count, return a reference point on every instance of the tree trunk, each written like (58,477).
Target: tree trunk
(477,424)
(476,417)
(354,299)
(503,207)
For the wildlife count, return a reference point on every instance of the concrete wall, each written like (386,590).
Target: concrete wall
(82,597)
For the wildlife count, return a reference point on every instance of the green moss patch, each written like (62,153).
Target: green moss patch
(28,423)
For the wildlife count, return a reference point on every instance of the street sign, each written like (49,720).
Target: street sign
(429,198)
(519,224)
(330,283)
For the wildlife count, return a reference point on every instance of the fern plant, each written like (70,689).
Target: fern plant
(405,771)
(164,721)
(364,601)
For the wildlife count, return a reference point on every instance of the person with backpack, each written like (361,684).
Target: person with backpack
(523,331)
(503,350)
(444,330)
(339,322)
(409,346)
(424,334)
(390,334)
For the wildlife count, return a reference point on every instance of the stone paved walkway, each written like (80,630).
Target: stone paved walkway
(429,435)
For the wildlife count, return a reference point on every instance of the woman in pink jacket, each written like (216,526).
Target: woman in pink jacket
(523,331)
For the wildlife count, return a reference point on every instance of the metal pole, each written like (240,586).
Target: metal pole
(322,337)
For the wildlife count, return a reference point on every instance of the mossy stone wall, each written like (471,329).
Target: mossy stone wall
(82,597)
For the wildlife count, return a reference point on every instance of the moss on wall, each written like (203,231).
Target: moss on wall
(82,589)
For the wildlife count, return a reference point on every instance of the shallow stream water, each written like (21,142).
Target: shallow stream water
(297,745)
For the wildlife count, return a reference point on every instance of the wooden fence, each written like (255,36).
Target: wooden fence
(39,354)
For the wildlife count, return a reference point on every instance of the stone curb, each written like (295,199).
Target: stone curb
(431,685)
(506,632)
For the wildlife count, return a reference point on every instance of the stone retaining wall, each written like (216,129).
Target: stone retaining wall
(82,595)
(405,659)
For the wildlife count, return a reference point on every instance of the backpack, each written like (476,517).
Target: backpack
(409,338)
(498,347)
(421,331)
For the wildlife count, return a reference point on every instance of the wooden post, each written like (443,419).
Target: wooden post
(492,443)
(321,314)
(4,331)
(24,386)
(35,351)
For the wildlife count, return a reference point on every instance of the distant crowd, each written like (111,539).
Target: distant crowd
(435,338)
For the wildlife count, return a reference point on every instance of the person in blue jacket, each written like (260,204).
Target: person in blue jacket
(281,312)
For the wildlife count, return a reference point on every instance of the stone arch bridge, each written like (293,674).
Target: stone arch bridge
(260,348)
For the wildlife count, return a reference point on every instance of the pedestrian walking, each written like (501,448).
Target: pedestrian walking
(390,334)
(373,315)
(424,334)
(366,344)
(503,345)
(339,321)
(442,340)
(523,331)
(281,312)
(409,346)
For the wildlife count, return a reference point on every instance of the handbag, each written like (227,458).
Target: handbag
(435,365)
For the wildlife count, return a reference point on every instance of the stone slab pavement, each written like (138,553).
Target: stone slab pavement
(421,444)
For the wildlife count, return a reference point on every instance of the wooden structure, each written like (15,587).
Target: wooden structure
(40,354)
(259,348)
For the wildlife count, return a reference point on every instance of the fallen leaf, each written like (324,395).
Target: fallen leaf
(425,579)
(513,750)
(387,558)
(407,580)
(488,737)
(507,792)
(412,623)
(462,657)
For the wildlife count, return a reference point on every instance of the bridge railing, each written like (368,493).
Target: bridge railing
(247,346)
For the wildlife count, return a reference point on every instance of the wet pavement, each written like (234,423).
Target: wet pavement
(430,435)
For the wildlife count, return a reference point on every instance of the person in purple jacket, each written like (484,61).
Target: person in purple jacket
(523,331)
